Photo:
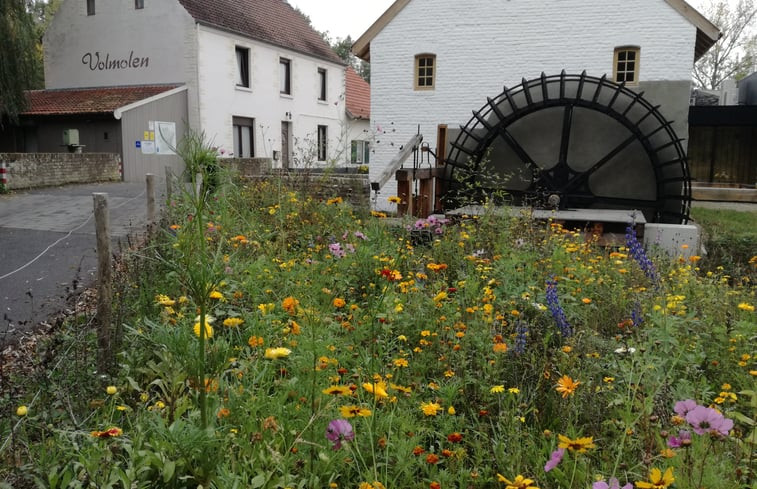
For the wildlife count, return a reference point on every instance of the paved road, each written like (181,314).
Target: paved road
(47,247)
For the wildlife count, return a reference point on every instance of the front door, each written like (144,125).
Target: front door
(285,145)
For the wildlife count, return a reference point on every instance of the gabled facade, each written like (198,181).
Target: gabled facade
(260,82)
(432,70)
(358,107)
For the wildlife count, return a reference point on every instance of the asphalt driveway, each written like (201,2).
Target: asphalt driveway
(47,247)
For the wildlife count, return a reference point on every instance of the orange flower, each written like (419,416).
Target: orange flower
(500,347)
(454,437)
(432,458)
(290,304)
(109,433)
(566,386)
(418,450)
(338,302)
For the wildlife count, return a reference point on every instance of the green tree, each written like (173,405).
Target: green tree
(735,53)
(18,57)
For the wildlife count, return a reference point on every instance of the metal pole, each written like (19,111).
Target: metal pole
(169,183)
(104,282)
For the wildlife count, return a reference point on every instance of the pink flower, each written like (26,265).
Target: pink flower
(339,430)
(707,420)
(682,408)
(554,459)
(614,484)
(683,438)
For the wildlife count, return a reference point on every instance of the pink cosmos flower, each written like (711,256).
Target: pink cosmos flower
(554,459)
(707,420)
(339,430)
(680,440)
(614,484)
(682,408)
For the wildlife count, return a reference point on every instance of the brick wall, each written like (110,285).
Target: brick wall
(30,170)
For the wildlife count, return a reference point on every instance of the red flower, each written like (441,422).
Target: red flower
(454,437)
(418,450)
(432,458)
(434,485)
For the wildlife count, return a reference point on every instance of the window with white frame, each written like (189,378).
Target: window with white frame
(285,76)
(361,152)
(244,137)
(323,133)
(243,66)
(322,84)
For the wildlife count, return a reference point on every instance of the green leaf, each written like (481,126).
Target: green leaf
(168,470)
(257,481)
(741,418)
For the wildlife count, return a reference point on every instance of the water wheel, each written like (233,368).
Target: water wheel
(571,141)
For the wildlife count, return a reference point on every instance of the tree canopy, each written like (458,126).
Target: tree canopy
(735,53)
(18,57)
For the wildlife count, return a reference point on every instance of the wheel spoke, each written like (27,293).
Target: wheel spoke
(579,180)
(524,156)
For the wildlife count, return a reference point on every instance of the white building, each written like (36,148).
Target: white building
(252,75)
(434,62)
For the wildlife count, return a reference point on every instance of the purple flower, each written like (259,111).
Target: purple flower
(683,438)
(554,459)
(614,484)
(360,235)
(682,408)
(336,250)
(339,430)
(707,420)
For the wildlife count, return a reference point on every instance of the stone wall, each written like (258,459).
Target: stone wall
(247,167)
(31,170)
(352,187)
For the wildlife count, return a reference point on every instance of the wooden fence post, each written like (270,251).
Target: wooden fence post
(151,214)
(104,283)
(169,183)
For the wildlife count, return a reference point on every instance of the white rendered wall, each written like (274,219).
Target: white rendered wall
(220,99)
(481,46)
(119,45)
(357,130)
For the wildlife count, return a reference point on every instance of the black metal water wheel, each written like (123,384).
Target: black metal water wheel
(571,141)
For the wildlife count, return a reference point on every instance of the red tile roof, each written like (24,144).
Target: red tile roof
(88,100)
(358,95)
(271,21)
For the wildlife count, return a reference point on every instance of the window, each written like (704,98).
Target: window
(244,137)
(322,142)
(90,7)
(285,76)
(425,71)
(361,152)
(139,4)
(321,84)
(243,67)
(626,64)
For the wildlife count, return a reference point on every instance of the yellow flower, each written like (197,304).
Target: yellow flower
(337,390)
(394,199)
(378,389)
(586,300)
(430,408)
(400,362)
(232,322)
(440,297)
(164,300)
(216,295)
(266,308)
(520,482)
(22,411)
(657,480)
(451,410)
(746,307)
(111,390)
(274,353)
(497,389)
(579,445)
(513,390)
(208,329)
(566,386)
(352,411)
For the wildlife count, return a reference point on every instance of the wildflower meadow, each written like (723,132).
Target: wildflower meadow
(273,340)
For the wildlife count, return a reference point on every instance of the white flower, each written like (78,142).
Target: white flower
(623,349)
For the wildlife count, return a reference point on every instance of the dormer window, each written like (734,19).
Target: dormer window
(90,7)
(626,64)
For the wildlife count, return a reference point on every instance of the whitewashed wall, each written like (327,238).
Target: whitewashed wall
(220,99)
(481,46)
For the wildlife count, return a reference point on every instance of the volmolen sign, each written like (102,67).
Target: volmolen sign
(97,63)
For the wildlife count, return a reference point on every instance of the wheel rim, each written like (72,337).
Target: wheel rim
(571,141)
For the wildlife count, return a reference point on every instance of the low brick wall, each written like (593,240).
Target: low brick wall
(353,188)
(247,167)
(31,170)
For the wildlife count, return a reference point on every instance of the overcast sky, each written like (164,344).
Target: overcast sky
(353,17)
(342,17)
